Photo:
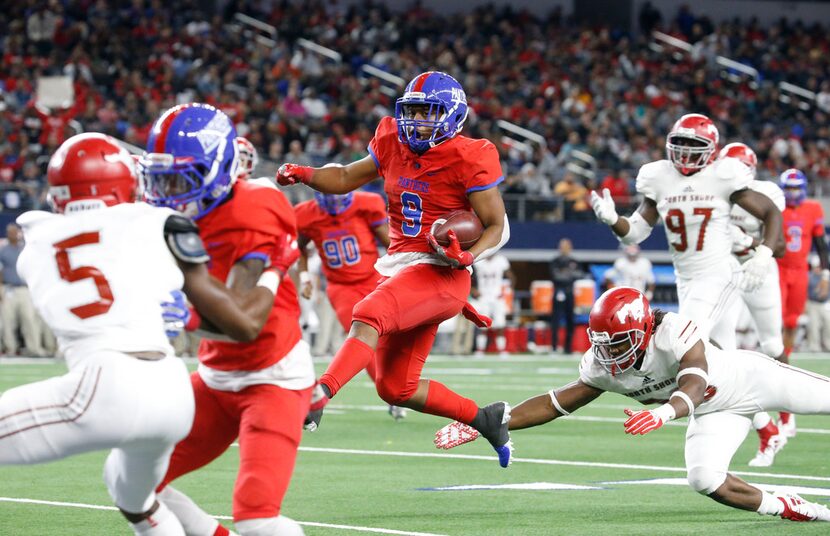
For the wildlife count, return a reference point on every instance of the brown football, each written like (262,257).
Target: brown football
(466,225)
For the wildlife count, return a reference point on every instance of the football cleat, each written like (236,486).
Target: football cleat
(797,509)
(787,428)
(769,448)
(398,413)
(455,434)
(495,430)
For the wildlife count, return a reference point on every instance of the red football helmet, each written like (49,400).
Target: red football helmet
(619,328)
(692,143)
(248,158)
(91,166)
(742,152)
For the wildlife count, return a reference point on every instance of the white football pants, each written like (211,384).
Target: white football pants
(764,306)
(712,302)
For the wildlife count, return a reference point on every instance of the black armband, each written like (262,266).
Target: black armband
(182,236)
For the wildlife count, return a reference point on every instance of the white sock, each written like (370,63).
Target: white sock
(760,420)
(501,343)
(269,526)
(162,523)
(770,505)
(481,342)
(196,522)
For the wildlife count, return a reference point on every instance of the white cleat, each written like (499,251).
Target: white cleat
(797,509)
(788,429)
(765,457)
(397,412)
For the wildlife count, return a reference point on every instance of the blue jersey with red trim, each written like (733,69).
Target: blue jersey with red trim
(345,242)
(422,188)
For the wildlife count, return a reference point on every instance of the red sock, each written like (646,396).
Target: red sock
(370,369)
(787,352)
(221,531)
(445,403)
(784,417)
(351,358)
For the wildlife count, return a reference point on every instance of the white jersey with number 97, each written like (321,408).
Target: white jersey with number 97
(695,211)
(98,277)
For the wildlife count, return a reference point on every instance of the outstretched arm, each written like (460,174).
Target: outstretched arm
(332,178)
(764,209)
(557,403)
(632,229)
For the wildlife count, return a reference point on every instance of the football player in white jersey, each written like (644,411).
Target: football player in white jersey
(632,270)
(763,303)
(99,270)
(488,293)
(693,193)
(657,357)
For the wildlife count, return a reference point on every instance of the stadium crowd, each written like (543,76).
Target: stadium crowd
(595,91)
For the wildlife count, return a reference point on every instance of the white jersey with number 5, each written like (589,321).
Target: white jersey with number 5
(98,277)
(695,211)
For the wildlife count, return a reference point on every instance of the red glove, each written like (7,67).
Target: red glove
(194,321)
(285,254)
(289,174)
(642,422)
(453,254)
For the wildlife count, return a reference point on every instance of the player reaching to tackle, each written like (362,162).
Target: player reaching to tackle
(661,358)
(98,271)
(429,170)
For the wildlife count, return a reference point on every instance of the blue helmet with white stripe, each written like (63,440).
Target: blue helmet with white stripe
(333,204)
(433,109)
(191,159)
(794,183)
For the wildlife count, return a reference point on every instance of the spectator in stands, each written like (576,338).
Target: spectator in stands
(574,195)
(617,181)
(16,307)
(818,311)
(564,271)
(632,270)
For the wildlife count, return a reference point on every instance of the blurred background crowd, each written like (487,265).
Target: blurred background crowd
(571,106)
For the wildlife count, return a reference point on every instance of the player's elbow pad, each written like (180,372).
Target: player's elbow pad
(505,236)
(638,230)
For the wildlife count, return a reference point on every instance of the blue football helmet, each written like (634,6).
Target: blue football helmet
(442,103)
(333,204)
(191,160)
(794,184)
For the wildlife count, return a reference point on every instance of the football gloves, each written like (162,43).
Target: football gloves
(756,269)
(289,174)
(452,254)
(604,207)
(175,313)
(645,421)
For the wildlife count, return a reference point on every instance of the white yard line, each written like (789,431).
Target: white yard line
(373,530)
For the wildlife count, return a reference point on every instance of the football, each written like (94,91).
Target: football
(467,227)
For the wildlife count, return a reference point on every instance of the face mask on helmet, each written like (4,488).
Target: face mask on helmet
(794,184)
(333,204)
(191,163)
(248,158)
(689,153)
(432,109)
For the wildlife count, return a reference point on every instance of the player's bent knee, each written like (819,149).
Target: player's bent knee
(705,480)
(393,393)
(270,526)
(773,348)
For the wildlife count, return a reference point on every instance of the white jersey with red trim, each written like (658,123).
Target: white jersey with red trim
(749,223)
(695,211)
(729,373)
(98,277)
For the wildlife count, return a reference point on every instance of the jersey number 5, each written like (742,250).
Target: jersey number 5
(84,272)
(675,221)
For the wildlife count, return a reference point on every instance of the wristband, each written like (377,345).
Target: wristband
(683,396)
(305,278)
(194,322)
(665,412)
(270,280)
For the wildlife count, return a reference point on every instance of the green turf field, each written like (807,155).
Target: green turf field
(362,473)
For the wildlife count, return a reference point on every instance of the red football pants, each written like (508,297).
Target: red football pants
(268,421)
(344,297)
(793,282)
(406,310)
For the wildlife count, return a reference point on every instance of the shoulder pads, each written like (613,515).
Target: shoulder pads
(183,239)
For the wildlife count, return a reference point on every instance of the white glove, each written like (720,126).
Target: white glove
(756,268)
(740,240)
(604,207)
